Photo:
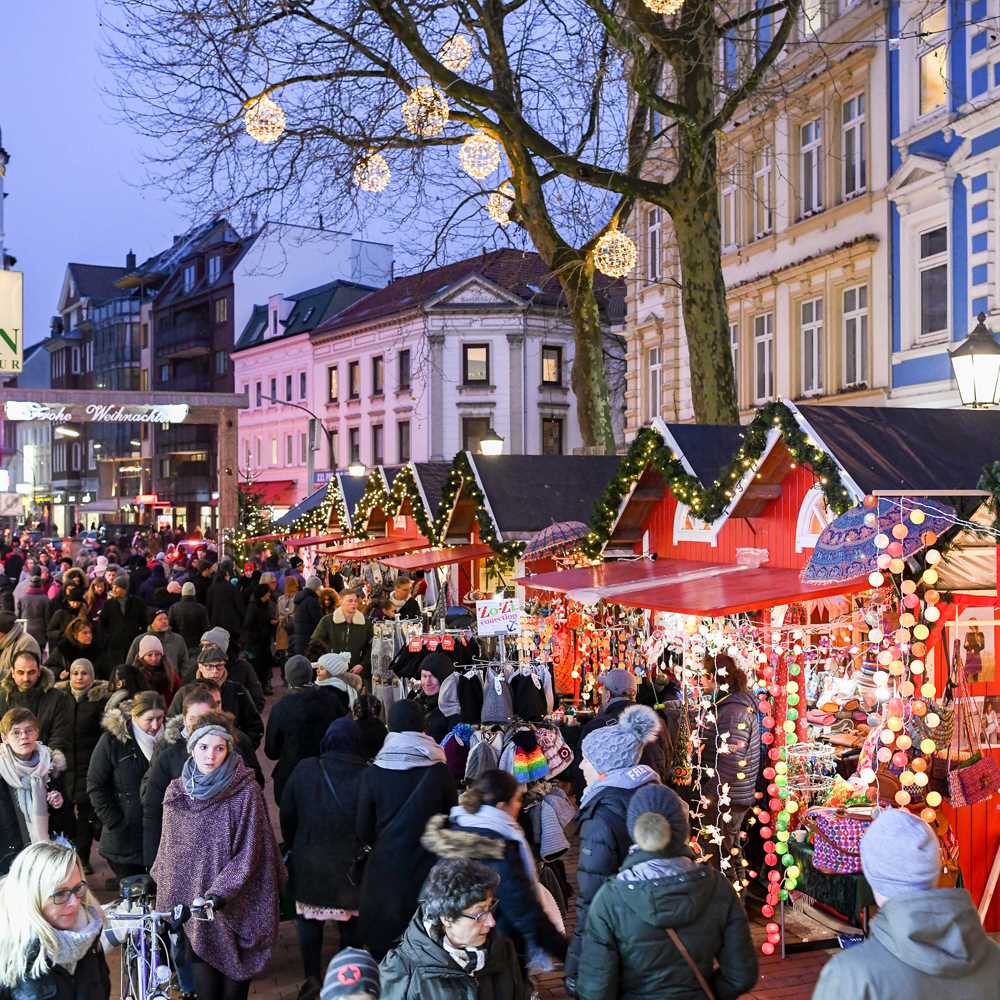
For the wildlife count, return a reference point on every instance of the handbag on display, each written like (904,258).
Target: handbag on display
(978,777)
(837,839)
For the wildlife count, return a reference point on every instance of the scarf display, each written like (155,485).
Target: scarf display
(73,944)
(403,751)
(200,786)
(28,779)
(146,742)
(497,821)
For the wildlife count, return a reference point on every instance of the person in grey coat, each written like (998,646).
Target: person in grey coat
(925,943)
(34,607)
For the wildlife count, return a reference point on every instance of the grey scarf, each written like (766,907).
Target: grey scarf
(205,786)
(404,751)
(73,944)
(29,779)
(626,777)
(469,960)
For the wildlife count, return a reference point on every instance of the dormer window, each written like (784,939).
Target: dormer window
(189,277)
(214,267)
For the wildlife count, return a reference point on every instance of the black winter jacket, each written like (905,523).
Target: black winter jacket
(52,708)
(189,620)
(317,825)
(627,952)
(167,764)
(237,702)
(520,916)
(34,607)
(90,980)
(64,652)
(113,782)
(13,834)
(88,712)
(306,616)
(59,621)
(735,714)
(257,630)
(225,607)
(295,729)
(120,626)
(656,755)
(604,843)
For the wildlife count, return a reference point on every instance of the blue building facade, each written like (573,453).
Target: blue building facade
(944,155)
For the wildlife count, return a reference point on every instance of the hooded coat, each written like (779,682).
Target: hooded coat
(925,945)
(114,779)
(319,827)
(295,729)
(174,649)
(15,641)
(52,708)
(627,953)
(223,846)
(189,620)
(166,764)
(35,608)
(88,711)
(736,714)
(121,622)
(420,969)
(393,810)
(520,915)
(342,636)
(305,617)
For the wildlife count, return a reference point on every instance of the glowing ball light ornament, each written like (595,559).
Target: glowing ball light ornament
(425,111)
(456,53)
(500,202)
(615,254)
(263,119)
(665,7)
(479,155)
(372,173)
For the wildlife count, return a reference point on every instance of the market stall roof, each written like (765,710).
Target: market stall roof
(685,586)
(352,488)
(311,503)
(430,478)
(271,492)
(298,543)
(374,549)
(706,448)
(439,555)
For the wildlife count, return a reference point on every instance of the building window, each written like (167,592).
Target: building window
(933,58)
(289,446)
(353,445)
(221,362)
(934,282)
(378,367)
(378,458)
(74,360)
(763,348)
(811,166)
(855,335)
(221,310)
(76,456)
(475,364)
(403,441)
(189,276)
(654,230)
(274,450)
(334,450)
(763,215)
(258,395)
(288,388)
(404,370)
(474,429)
(734,350)
(810,19)
(854,146)
(333,383)
(304,450)
(354,380)
(302,385)
(92,450)
(144,336)
(728,201)
(551,365)
(258,452)
(811,325)
(552,436)
(653,395)
(274,391)
(214,268)
(165,373)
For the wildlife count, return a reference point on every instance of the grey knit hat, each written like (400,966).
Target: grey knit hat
(121,581)
(619,746)
(187,590)
(351,973)
(314,583)
(900,853)
(618,683)
(298,671)
(217,636)
(209,730)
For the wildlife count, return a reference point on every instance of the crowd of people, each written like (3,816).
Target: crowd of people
(139,680)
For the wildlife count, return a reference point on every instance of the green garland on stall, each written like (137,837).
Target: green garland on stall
(989,481)
(317,521)
(391,501)
(708,503)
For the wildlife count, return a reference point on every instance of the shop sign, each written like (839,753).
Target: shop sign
(11,320)
(498,616)
(99,413)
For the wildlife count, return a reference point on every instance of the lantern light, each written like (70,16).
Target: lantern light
(455,53)
(976,364)
(479,155)
(372,173)
(500,202)
(263,119)
(491,443)
(425,111)
(615,254)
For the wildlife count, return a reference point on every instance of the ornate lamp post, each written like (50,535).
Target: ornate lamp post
(976,363)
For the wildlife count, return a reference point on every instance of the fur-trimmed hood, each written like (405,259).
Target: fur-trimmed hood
(339,618)
(449,842)
(173,731)
(117,717)
(45,682)
(98,691)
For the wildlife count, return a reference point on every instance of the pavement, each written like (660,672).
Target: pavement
(790,979)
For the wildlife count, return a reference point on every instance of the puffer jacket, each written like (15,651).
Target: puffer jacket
(627,953)
(189,620)
(51,707)
(88,711)
(113,782)
(305,617)
(35,608)
(420,969)
(604,844)
(736,714)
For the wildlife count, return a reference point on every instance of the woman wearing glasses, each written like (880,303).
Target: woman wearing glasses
(51,941)
(451,950)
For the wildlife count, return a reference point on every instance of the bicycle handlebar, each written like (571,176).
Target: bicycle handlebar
(199,909)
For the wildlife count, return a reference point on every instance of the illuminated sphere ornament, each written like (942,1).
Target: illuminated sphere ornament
(263,119)
(615,254)
(479,155)
(372,173)
(500,202)
(934,799)
(456,53)
(665,7)
(425,111)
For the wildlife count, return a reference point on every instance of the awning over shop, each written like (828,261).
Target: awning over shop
(686,586)
(272,493)
(439,555)
(369,549)
(298,543)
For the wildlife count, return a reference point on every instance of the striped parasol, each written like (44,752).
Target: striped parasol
(557,537)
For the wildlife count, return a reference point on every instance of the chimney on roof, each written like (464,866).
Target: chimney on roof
(130,260)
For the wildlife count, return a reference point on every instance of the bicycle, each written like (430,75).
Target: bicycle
(146,971)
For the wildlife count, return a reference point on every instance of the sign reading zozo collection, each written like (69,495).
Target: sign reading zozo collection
(166,413)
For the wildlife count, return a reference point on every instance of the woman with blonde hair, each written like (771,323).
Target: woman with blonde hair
(51,929)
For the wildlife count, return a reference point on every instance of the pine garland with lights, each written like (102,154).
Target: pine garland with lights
(404,495)
(318,520)
(252,520)
(708,503)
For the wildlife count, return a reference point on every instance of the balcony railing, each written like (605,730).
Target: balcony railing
(184,340)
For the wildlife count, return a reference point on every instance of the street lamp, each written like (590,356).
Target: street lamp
(356,469)
(976,363)
(491,443)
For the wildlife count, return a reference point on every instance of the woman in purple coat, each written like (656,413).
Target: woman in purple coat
(218,843)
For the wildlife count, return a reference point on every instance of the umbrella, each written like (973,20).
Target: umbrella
(556,537)
(845,551)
